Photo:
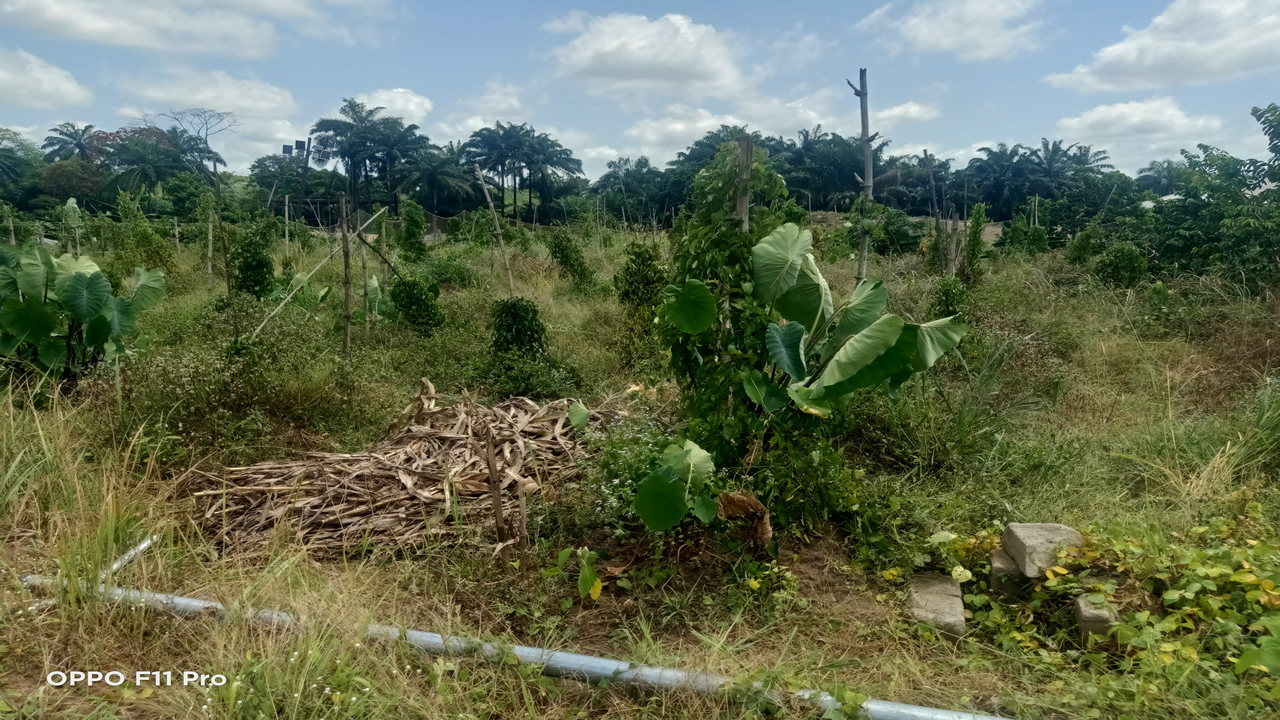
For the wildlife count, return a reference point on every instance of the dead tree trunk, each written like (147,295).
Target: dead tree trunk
(867,181)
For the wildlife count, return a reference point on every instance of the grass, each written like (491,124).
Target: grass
(1070,406)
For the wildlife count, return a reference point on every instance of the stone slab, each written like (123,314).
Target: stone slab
(1006,576)
(936,601)
(1034,546)
(1094,618)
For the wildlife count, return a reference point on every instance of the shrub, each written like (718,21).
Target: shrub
(413,230)
(517,328)
(950,298)
(640,282)
(568,255)
(900,234)
(803,481)
(1086,245)
(788,211)
(1020,235)
(416,300)
(253,269)
(1122,265)
(975,247)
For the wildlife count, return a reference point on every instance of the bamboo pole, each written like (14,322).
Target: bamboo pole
(286,226)
(346,279)
(177,244)
(497,228)
(208,268)
(364,273)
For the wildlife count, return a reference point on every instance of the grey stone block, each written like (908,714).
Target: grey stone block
(1094,618)
(1006,577)
(936,601)
(1034,546)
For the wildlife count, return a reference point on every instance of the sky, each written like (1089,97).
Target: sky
(1139,78)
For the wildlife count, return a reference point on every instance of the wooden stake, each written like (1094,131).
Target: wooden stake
(177,244)
(382,241)
(497,228)
(346,279)
(364,273)
(13,239)
(286,226)
(495,492)
(208,268)
(743,192)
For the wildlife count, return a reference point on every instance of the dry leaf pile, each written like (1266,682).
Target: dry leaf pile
(431,478)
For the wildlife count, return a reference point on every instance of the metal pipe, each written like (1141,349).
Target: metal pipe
(552,662)
(132,554)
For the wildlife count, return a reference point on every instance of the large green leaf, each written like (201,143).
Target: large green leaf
(8,283)
(803,398)
(123,317)
(893,361)
(8,344)
(935,339)
(808,302)
(97,331)
(29,319)
(689,462)
(660,500)
(578,416)
(855,354)
(776,260)
(863,307)
(85,296)
(31,280)
(783,343)
(51,352)
(148,288)
(762,392)
(691,308)
(67,267)
(705,508)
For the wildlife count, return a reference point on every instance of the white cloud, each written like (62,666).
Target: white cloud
(1137,132)
(776,116)
(959,157)
(663,136)
(241,28)
(972,29)
(907,112)
(623,55)
(399,102)
(30,82)
(499,101)
(1191,42)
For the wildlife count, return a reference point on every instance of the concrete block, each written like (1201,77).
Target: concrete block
(1034,546)
(1094,618)
(1006,577)
(936,601)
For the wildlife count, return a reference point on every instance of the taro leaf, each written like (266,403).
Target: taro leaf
(689,462)
(803,398)
(9,256)
(763,392)
(97,331)
(148,288)
(784,345)
(123,317)
(934,339)
(29,319)
(863,308)
(839,375)
(578,416)
(8,344)
(587,580)
(85,296)
(324,293)
(8,283)
(808,302)
(882,367)
(51,352)
(776,261)
(299,279)
(660,500)
(31,280)
(705,508)
(67,267)
(691,308)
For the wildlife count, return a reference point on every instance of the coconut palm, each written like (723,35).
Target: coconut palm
(144,161)
(70,140)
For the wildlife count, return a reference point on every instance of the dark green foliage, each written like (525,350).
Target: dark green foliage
(416,298)
(567,253)
(253,270)
(1086,245)
(1122,265)
(803,480)
(640,282)
(184,191)
(898,235)
(1021,236)
(517,328)
(975,247)
(951,297)
(787,211)
(413,230)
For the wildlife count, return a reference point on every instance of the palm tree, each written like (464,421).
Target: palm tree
(546,161)
(436,172)
(1002,177)
(394,142)
(1162,177)
(1050,164)
(350,137)
(193,151)
(1084,159)
(501,151)
(145,161)
(70,140)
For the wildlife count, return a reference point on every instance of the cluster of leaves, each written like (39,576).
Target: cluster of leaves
(1021,235)
(679,485)
(567,253)
(58,314)
(253,272)
(518,363)
(1121,265)
(416,300)
(639,285)
(950,298)
(413,229)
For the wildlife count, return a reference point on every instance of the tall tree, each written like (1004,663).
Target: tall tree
(350,137)
(394,142)
(71,140)
(1162,177)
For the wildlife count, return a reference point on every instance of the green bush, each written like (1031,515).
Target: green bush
(1020,235)
(517,328)
(640,282)
(899,234)
(254,271)
(803,481)
(413,229)
(950,298)
(975,247)
(1121,265)
(1086,245)
(516,374)
(416,300)
(568,255)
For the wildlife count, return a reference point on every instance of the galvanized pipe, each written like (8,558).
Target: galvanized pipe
(553,662)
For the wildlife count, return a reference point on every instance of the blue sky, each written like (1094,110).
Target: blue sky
(1140,78)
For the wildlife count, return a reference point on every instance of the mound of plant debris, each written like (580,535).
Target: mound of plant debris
(432,477)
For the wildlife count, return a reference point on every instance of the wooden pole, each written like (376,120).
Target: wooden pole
(177,244)
(861,92)
(382,241)
(743,192)
(364,273)
(208,267)
(77,232)
(346,279)
(286,226)
(13,239)
(495,494)
(497,228)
